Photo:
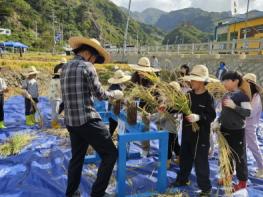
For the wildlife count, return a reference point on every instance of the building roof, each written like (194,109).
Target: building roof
(241,18)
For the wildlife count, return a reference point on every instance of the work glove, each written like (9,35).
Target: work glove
(229,103)
(193,118)
(117,94)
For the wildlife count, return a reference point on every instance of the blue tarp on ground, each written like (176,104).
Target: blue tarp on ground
(13,44)
(41,168)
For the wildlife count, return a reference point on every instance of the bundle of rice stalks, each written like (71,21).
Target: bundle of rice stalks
(217,90)
(62,132)
(174,194)
(225,168)
(15,144)
(116,106)
(131,112)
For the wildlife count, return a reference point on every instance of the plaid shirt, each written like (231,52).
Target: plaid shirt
(79,83)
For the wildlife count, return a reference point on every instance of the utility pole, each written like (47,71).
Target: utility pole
(126,31)
(245,35)
(54,32)
(36,31)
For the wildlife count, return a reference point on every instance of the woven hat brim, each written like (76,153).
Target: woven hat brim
(121,80)
(197,78)
(76,42)
(143,68)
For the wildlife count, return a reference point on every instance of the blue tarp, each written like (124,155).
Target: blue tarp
(41,168)
(13,44)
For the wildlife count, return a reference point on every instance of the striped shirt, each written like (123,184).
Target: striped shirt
(79,84)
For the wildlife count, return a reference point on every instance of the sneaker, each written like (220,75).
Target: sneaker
(205,193)
(181,184)
(259,174)
(239,186)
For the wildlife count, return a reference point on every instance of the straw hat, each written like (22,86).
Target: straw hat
(63,60)
(175,85)
(119,77)
(252,78)
(144,65)
(199,73)
(76,41)
(31,71)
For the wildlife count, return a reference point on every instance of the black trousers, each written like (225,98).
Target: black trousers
(237,142)
(198,155)
(1,107)
(173,145)
(29,107)
(112,125)
(96,134)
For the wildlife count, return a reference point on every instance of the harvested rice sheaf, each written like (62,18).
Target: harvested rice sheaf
(15,144)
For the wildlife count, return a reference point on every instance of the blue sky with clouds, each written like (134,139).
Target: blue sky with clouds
(208,5)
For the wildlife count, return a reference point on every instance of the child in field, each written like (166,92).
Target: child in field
(195,144)
(253,120)
(30,85)
(236,108)
(55,97)
(3,89)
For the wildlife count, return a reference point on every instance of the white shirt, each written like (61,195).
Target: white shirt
(31,86)
(54,92)
(2,85)
(155,62)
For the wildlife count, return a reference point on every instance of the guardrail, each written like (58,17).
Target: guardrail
(254,46)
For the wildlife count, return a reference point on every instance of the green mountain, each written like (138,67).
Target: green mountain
(92,18)
(148,16)
(186,34)
(203,20)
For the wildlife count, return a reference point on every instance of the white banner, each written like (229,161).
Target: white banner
(234,7)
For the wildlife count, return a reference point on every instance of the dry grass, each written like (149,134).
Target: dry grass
(63,132)
(217,90)
(15,144)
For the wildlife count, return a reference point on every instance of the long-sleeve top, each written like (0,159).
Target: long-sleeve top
(54,92)
(3,85)
(235,119)
(31,87)
(79,85)
(203,105)
(256,109)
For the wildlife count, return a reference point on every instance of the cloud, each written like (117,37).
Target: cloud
(208,5)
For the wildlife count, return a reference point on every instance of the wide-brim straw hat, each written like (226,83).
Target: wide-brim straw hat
(144,65)
(76,41)
(175,85)
(119,77)
(31,71)
(63,60)
(252,78)
(199,73)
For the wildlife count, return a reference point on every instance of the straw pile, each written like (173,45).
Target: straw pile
(15,144)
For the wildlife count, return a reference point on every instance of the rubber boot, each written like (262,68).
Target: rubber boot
(2,125)
(29,121)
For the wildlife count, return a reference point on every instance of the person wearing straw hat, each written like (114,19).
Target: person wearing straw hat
(236,107)
(143,66)
(79,85)
(54,95)
(252,122)
(117,83)
(30,86)
(195,144)
(3,89)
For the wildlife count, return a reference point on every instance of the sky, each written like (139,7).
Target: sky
(208,5)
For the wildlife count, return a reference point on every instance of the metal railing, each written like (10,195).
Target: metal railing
(228,47)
